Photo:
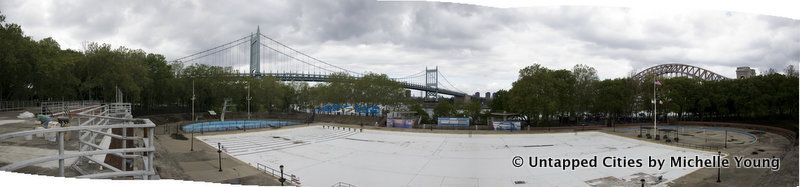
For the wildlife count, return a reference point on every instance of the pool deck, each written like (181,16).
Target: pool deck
(175,160)
(405,158)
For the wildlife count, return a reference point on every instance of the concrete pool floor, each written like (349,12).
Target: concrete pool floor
(322,157)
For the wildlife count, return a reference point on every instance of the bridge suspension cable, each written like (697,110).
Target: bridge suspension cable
(213,53)
(310,57)
(415,75)
(292,57)
(217,47)
(448,82)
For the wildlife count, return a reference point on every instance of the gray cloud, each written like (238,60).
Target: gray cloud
(478,48)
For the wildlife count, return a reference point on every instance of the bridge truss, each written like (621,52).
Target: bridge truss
(678,70)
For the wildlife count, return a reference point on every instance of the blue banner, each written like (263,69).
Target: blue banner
(453,122)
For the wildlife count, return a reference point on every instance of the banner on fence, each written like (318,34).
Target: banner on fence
(400,123)
(453,122)
(507,125)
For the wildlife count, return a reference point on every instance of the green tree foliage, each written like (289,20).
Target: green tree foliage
(499,102)
(473,111)
(34,69)
(543,96)
(420,112)
(443,109)
(102,70)
(613,98)
(585,87)
(765,96)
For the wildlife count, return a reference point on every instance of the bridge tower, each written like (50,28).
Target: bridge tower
(255,53)
(432,80)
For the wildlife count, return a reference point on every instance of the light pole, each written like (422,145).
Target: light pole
(192,149)
(248,99)
(655,107)
(282,179)
(719,169)
(219,153)
(642,180)
(726,138)
(193,98)
(701,85)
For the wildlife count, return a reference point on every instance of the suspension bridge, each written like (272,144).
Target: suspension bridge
(259,55)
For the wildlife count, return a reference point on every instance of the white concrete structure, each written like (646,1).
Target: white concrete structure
(322,157)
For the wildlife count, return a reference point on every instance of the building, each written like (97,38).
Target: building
(745,72)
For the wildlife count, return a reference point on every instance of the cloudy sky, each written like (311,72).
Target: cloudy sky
(478,48)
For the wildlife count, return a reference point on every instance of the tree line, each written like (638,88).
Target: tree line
(544,96)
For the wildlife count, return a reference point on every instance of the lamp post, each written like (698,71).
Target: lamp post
(282,179)
(193,98)
(726,138)
(219,153)
(655,107)
(192,149)
(248,99)
(719,169)
(642,180)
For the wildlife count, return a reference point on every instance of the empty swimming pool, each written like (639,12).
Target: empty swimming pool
(234,125)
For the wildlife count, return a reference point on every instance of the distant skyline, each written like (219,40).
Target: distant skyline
(479,48)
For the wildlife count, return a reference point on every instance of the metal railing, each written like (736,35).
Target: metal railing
(94,125)
(277,173)
(63,107)
(17,105)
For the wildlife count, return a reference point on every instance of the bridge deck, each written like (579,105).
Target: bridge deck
(325,78)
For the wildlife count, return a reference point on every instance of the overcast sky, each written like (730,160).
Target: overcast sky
(477,48)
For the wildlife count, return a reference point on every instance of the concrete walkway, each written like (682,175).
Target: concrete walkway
(174,160)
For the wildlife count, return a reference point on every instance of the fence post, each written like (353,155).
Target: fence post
(60,153)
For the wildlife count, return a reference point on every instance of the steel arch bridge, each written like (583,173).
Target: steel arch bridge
(678,69)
